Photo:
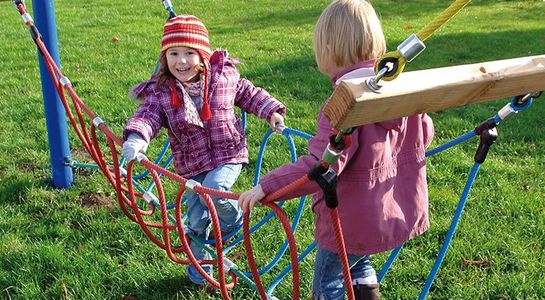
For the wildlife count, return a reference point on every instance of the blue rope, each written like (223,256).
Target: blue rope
(393,255)
(286,270)
(388,263)
(286,133)
(451,144)
(451,230)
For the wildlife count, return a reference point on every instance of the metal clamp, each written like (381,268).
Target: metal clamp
(64,81)
(97,121)
(330,155)
(411,47)
(191,184)
(229,265)
(506,111)
(149,197)
(167,3)
(123,171)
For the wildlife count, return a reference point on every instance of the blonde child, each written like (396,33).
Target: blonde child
(382,188)
(193,96)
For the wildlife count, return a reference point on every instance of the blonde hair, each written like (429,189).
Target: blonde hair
(348,32)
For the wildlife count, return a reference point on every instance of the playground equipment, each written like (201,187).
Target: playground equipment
(355,99)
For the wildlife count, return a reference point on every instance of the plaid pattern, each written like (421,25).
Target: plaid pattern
(202,146)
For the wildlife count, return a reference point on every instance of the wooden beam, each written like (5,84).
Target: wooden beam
(353,104)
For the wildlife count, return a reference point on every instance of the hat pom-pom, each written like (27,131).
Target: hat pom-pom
(206,114)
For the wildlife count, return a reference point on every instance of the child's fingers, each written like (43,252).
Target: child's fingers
(243,203)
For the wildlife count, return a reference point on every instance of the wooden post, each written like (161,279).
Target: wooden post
(353,104)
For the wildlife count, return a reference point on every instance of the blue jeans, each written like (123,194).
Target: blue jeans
(229,213)
(328,281)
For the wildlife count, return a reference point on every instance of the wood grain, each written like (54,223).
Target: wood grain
(353,104)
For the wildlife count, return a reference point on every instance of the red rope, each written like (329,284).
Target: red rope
(342,253)
(292,246)
(127,196)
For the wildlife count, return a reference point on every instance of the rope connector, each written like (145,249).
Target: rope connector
(64,81)
(518,103)
(279,128)
(69,162)
(191,184)
(150,197)
(327,180)
(338,141)
(168,6)
(229,265)
(97,121)
(330,154)
(506,111)
(488,137)
(123,172)
(411,47)
(391,64)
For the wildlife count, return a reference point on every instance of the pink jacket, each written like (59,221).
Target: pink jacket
(382,188)
(196,146)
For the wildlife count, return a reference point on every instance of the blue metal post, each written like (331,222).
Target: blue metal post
(59,149)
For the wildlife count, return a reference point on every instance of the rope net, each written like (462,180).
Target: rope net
(140,207)
(151,211)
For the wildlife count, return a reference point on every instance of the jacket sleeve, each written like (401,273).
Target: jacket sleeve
(147,121)
(428,129)
(256,100)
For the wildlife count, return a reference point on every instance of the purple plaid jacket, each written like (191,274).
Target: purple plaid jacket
(202,146)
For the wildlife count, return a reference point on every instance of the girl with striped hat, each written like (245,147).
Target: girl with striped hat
(193,96)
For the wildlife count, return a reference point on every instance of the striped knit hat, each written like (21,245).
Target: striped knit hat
(189,31)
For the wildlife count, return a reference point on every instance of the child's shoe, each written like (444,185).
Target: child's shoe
(366,291)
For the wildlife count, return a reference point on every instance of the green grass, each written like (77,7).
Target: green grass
(77,244)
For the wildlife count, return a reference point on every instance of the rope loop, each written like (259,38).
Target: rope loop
(393,63)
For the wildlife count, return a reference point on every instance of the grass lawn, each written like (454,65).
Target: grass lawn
(77,244)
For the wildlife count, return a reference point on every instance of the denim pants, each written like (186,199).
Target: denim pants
(199,219)
(328,281)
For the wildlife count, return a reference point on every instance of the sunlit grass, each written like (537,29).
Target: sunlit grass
(60,244)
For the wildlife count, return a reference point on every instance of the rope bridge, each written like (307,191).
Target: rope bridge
(173,238)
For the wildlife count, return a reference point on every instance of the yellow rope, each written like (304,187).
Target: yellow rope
(423,34)
(450,12)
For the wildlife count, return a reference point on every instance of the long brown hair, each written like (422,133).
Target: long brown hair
(163,74)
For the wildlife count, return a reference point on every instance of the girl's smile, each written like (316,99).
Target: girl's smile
(183,63)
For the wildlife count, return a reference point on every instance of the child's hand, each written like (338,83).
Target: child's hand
(250,197)
(277,122)
(133,145)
